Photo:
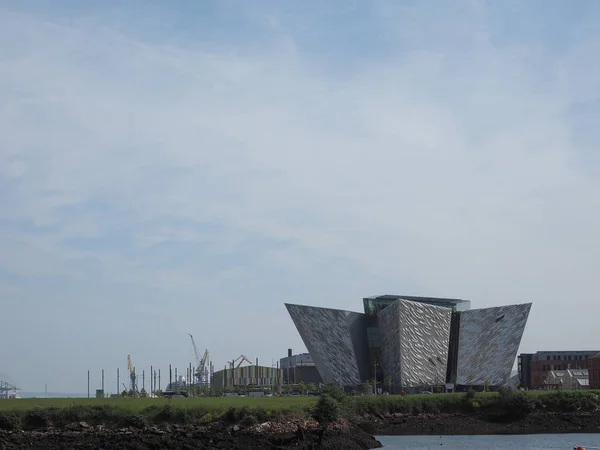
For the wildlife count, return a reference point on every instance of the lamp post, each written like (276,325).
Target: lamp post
(435,373)
(375,378)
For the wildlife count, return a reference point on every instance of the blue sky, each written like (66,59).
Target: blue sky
(187,167)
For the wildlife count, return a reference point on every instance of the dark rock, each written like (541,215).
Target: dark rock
(460,424)
(217,438)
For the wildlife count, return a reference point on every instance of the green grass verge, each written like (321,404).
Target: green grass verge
(137,405)
(519,402)
(140,412)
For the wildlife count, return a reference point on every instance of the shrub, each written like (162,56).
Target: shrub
(10,421)
(38,418)
(207,418)
(236,415)
(334,391)
(134,421)
(561,401)
(327,410)
(249,420)
(166,414)
(261,414)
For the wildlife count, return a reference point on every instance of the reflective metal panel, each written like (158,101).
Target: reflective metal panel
(489,340)
(336,340)
(414,340)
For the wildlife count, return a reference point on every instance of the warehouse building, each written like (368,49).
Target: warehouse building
(259,376)
(299,369)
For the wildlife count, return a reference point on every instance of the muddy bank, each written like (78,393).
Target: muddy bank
(461,424)
(214,437)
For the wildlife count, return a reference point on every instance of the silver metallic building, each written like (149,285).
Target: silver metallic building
(413,342)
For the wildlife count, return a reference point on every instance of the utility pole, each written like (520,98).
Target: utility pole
(151,381)
(143,380)
(102,382)
(375,376)
(88,384)
(159,385)
(118,387)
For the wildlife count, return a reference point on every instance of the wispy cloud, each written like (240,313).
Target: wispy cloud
(191,168)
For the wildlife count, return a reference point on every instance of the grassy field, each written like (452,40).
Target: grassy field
(137,405)
(410,403)
(139,412)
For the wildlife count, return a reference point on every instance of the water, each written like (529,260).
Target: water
(495,442)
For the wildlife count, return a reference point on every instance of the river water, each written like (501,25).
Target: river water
(495,442)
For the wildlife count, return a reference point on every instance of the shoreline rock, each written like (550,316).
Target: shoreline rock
(464,424)
(297,433)
(341,435)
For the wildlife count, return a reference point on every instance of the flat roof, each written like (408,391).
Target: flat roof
(416,298)
(566,352)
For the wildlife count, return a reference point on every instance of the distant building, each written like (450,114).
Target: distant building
(594,371)
(576,379)
(535,368)
(259,376)
(554,380)
(299,368)
(569,380)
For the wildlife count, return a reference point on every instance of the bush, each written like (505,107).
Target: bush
(207,418)
(327,410)
(561,401)
(249,420)
(10,421)
(334,391)
(38,418)
(236,415)
(134,421)
(166,414)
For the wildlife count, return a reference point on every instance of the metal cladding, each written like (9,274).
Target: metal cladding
(391,336)
(414,343)
(489,340)
(336,341)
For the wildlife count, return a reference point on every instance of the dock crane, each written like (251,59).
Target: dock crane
(201,373)
(132,377)
(241,359)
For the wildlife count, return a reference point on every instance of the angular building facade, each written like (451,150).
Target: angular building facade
(335,341)
(488,344)
(413,342)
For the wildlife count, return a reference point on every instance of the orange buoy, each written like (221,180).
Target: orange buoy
(580,448)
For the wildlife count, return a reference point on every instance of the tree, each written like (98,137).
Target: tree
(334,391)
(326,410)
(302,387)
(388,383)
(367,388)
(311,387)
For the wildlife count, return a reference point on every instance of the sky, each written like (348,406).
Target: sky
(187,167)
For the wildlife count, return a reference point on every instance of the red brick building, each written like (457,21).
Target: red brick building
(535,367)
(594,371)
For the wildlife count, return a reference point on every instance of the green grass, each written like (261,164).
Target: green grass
(524,401)
(139,412)
(137,405)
